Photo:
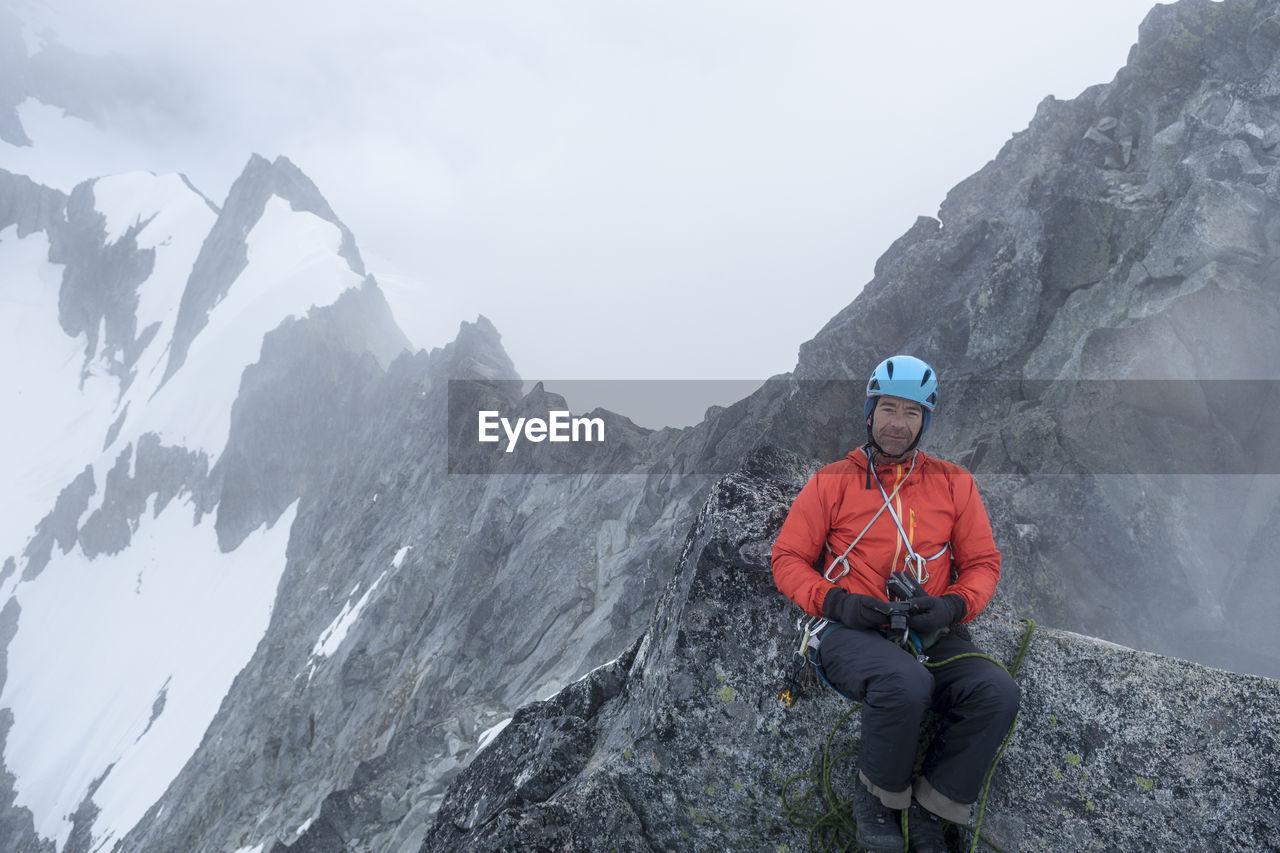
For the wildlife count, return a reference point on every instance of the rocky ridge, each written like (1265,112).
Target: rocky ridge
(682,743)
(1102,295)
(457,630)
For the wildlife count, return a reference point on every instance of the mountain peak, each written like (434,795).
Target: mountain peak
(477,352)
(225,252)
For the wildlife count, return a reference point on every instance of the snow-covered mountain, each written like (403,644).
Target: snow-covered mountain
(137,320)
(219,433)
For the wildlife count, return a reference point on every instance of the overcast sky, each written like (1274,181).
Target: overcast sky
(627,190)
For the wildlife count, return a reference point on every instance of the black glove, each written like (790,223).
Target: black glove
(931,613)
(853,609)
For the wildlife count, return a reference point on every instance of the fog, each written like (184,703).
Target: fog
(659,191)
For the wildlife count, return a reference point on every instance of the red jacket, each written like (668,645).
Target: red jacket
(938,504)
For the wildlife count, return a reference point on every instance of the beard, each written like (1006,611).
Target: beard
(892,443)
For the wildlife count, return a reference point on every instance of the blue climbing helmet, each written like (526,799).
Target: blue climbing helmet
(907,377)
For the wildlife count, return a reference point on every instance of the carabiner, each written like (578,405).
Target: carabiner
(918,566)
(827,574)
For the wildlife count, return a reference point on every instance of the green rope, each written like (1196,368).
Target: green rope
(1013,673)
(836,825)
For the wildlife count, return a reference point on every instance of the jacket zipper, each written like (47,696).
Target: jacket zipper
(898,499)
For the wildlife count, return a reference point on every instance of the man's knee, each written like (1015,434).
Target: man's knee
(904,686)
(866,667)
(998,695)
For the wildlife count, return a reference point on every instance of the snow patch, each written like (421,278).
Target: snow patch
(133,198)
(65,150)
(62,423)
(398,560)
(487,736)
(174,220)
(94,649)
(293,267)
(66,416)
(331,637)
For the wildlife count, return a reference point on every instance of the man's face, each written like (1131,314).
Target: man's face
(895,423)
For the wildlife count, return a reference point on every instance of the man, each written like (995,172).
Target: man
(887,507)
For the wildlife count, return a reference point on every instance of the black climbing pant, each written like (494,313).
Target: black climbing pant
(975,699)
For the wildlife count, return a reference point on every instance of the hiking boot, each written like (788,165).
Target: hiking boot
(924,831)
(878,830)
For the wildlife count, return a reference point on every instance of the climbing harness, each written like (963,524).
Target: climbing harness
(842,560)
(804,666)
(835,828)
(917,564)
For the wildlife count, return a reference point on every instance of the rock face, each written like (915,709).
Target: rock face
(476,596)
(681,744)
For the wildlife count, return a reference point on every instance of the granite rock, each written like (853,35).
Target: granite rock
(690,747)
